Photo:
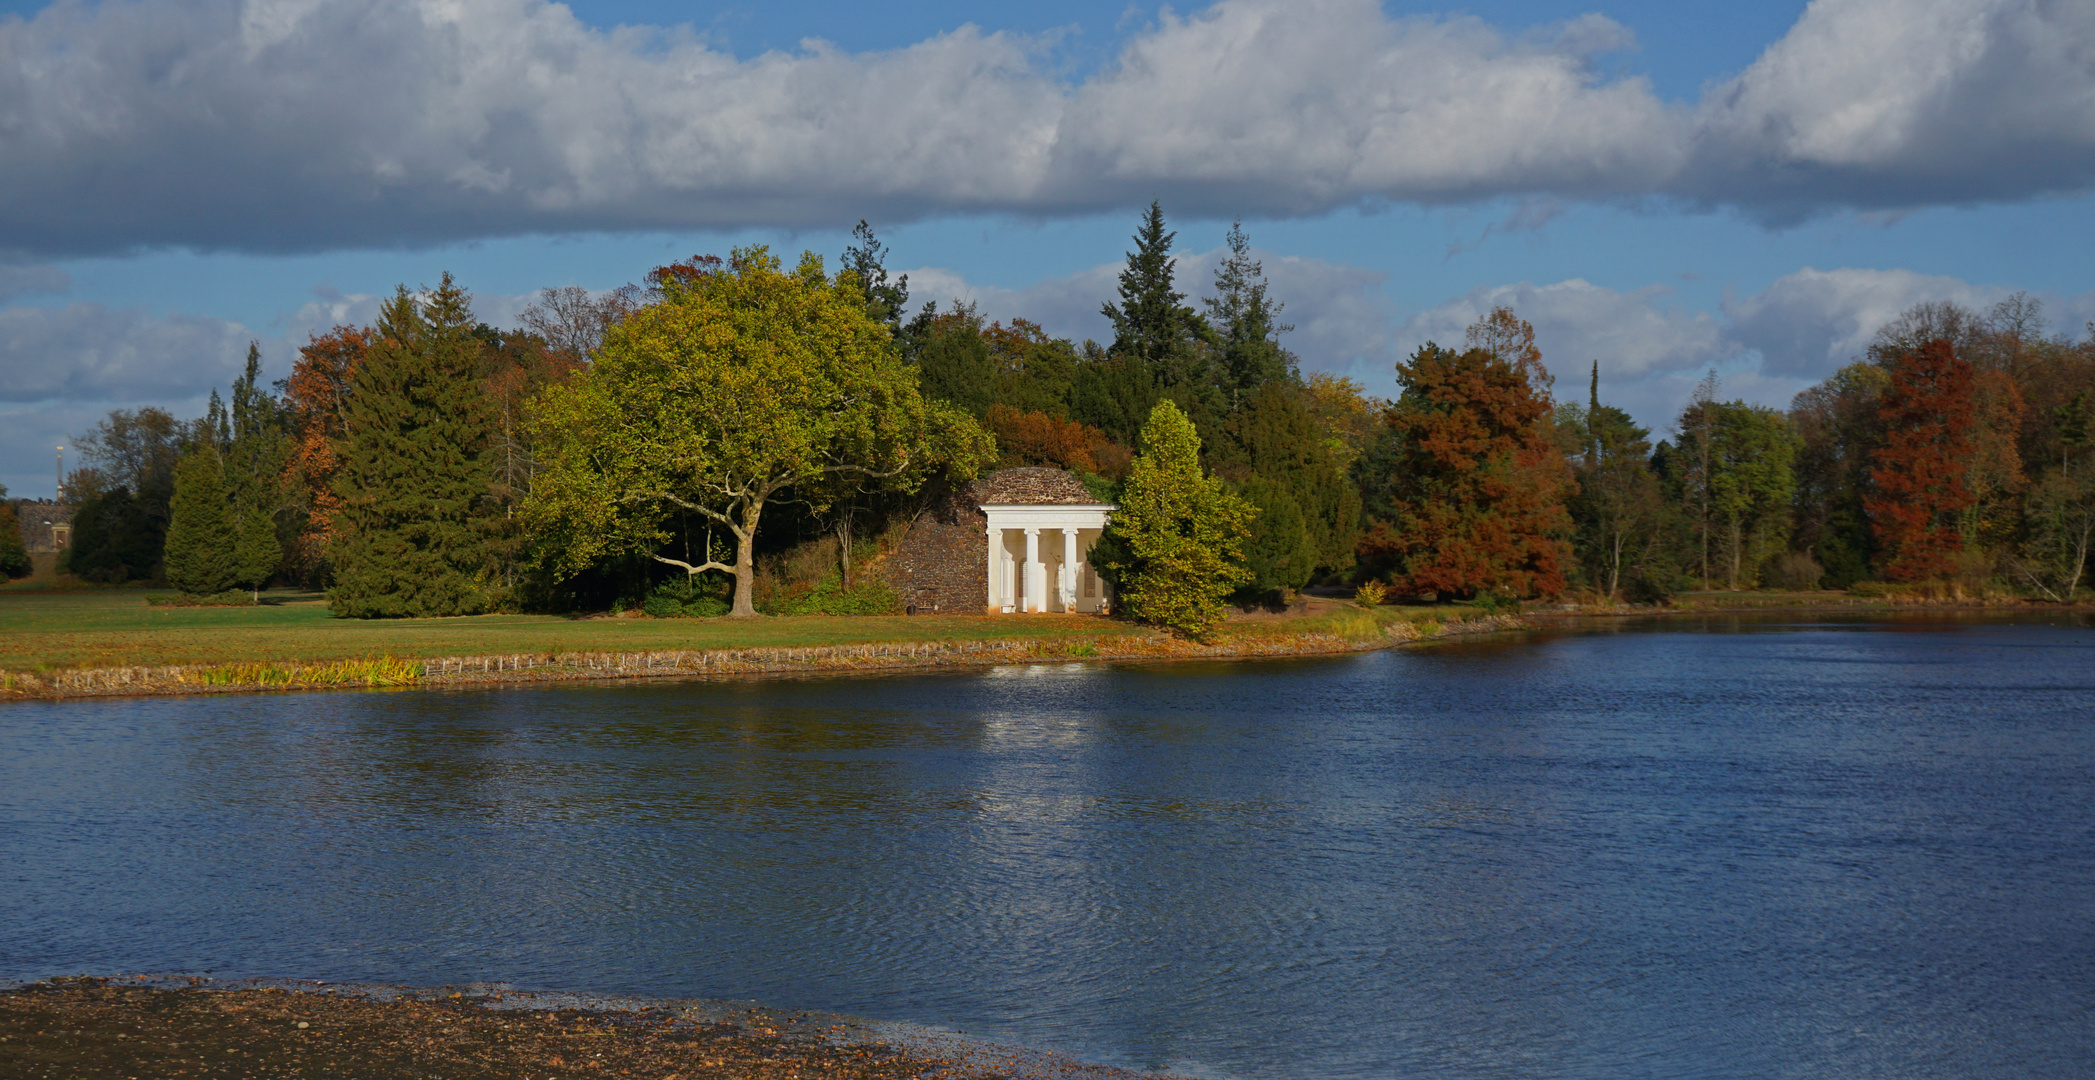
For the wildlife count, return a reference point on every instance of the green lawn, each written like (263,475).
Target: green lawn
(72,628)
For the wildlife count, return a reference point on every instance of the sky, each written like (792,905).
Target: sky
(1661,189)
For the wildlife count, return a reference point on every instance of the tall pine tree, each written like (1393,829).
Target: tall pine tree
(255,461)
(1247,323)
(1160,345)
(414,474)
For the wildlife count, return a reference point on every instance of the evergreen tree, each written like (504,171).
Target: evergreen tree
(255,461)
(1246,322)
(116,537)
(1155,332)
(1275,435)
(885,300)
(414,475)
(1177,540)
(1279,556)
(203,534)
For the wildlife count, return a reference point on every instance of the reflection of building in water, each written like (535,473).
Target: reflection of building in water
(1015,540)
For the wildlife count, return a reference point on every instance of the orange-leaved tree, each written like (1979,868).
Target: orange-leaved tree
(1477,500)
(314,395)
(1920,476)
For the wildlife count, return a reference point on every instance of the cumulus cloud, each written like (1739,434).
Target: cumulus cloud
(89,352)
(1809,322)
(273,125)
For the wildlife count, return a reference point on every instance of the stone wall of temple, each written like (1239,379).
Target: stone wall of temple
(942,564)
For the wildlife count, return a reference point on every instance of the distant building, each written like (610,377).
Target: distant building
(1014,540)
(46,525)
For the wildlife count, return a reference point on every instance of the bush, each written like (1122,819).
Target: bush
(1794,571)
(831,598)
(1370,594)
(683,597)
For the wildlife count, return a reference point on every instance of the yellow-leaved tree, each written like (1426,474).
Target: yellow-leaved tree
(742,383)
(1175,550)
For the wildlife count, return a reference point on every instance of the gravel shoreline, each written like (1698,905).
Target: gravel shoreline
(181,1026)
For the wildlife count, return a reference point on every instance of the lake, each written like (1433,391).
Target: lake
(1728,847)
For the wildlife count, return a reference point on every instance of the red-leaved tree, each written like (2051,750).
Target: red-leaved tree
(1919,479)
(1478,497)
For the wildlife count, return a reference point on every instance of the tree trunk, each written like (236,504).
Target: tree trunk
(745,561)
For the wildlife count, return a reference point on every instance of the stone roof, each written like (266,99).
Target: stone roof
(1032,486)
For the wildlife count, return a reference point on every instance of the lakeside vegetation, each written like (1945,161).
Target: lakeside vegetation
(736,436)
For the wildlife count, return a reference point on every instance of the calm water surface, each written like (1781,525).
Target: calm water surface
(1728,849)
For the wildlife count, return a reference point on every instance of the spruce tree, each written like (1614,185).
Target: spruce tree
(256,552)
(414,473)
(1246,322)
(1155,333)
(202,535)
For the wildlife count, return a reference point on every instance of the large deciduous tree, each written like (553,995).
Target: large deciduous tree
(1920,475)
(1175,549)
(1475,491)
(743,385)
(316,397)
(409,532)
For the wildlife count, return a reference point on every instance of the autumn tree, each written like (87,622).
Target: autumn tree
(409,529)
(572,321)
(1474,501)
(315,399)
(1838,427)
(1920,475)
(741,386)
(1175,548)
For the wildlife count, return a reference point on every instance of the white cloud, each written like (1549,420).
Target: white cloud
(89,352)
(272,125)
(1809,322)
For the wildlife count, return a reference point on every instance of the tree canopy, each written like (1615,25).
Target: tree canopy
(741,386)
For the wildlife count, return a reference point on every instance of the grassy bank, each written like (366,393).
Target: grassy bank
(45,630)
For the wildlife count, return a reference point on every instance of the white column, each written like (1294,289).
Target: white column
(993,592)
(1068,575)
(1036,574)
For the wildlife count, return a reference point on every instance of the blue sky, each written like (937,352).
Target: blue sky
(1661,188)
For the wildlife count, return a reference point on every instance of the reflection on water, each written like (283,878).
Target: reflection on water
(1816,849)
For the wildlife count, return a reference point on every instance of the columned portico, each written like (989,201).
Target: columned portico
(1039,557)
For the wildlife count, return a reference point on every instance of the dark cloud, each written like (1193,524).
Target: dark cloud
(302,125)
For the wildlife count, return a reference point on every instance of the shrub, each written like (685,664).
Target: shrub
(1795,571)
(1370,594)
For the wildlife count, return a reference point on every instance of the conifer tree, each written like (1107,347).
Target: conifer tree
(867,257)
(414,475)
(1176,547)
(202,533)
(1162,341)
(1246,322)
(1279,556)
(255,460)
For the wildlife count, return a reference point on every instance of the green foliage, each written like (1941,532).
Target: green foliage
(1738,481)
(1179,549)
(741,383)
(866,259)
(953,359)
(1626,531)
(2061,518)
(229,598)
(202,537)
(257,552)
(1279,556)
(255,460)
(686,596)
(115,539)
(1275,435)
(1114,395)
(1246,324)
(829,597)
(409,538)
(14,554)
(1164,345)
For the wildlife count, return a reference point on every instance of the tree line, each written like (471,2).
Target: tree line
(669,440)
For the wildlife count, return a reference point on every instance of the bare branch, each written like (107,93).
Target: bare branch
(689,568)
